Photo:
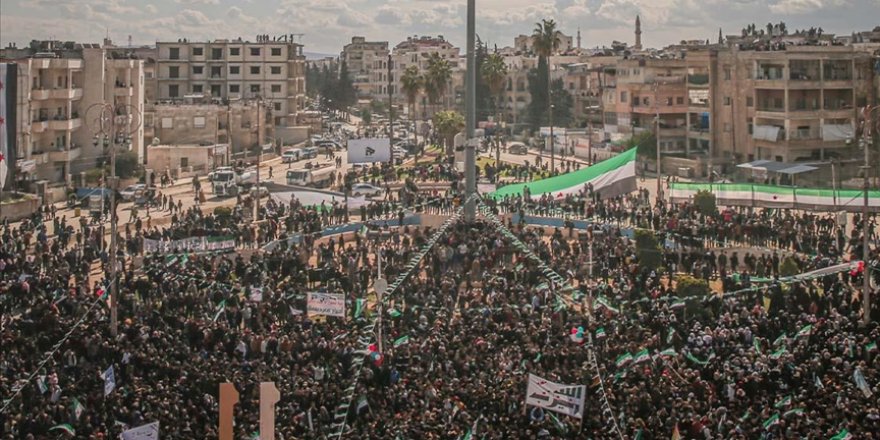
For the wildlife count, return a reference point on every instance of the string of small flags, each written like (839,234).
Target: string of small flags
(367,337)
(548,272)
(17,388)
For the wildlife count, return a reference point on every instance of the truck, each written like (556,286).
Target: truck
(320,178)
(227,182)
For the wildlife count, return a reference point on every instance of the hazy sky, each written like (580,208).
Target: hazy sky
(328,24)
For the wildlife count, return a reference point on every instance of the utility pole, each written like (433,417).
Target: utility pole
(470,160)
(867,138)
(259,156)
(552,141)
(657,136)
(390,113)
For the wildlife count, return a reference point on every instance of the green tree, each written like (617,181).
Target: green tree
(789,267)
(448,123)
(646,144)
(367,116)
(494,74)
(345,94)
(127,165)
(648,249)
(546,42)
(538,86)
(437,78)
(687,286)
(563,102)
(704,201)
(412,82)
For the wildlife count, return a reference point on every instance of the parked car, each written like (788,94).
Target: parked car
(518,148)
(309,153)
(132,191)
(259,191)
(365,189)
(290,156)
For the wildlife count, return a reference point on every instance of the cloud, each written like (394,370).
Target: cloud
(804,6)
(197,2)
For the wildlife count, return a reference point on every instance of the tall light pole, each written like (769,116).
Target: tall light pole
(113,124)
(552,140)
(866,141)
(470,162)
(657,137)
(390,112)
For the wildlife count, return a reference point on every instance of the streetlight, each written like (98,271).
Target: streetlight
(113,126)
(865,141)
(552,140)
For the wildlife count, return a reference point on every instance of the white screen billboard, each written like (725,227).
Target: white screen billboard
(369,150)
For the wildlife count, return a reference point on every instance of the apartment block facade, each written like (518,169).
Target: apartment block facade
(268,69)
(62,87)
(241,124)
(365,61)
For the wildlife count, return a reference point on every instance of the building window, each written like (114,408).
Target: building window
(623,97)
(750,101)
(198,70)
(727,100)
(234,88)
(276,51)
(167,123)
(197,88)
(255,51)
(234,51)
(198,51)
(234,70)
(727,74)
(751,123)
(669,101)
(276,106)
(173,91)
(277,120)
(646,101)
(199,122)
(215,90)
(679,100)
(255,88)
(255,70)
(276,88)
(184,162)
(216,72)
(275,70)
(216,53)
(174,71)
(174,53)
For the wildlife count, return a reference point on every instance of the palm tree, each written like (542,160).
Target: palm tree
(437,78)
(412,83)
(448,124)
(545,40)
(494,72)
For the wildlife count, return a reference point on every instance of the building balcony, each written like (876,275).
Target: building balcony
(123,91)
(673,132)
(40,94)
(770,112)
(768,83)
(803,84)
(65,124)
(837,84)
(69,94)
(65,155)
(40,157)
(39,126)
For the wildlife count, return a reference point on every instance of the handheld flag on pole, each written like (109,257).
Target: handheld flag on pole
(66,428)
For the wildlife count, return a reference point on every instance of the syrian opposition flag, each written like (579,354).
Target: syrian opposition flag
(623,359)
(842,435)
(783,402)
(610,178)
(600,332)
(602,301)
(771,421)
(642,356)
(669,352)
(400,341)
(677,304)
(66,427)
(804,331)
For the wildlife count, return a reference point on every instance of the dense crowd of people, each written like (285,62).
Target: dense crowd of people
(460,336)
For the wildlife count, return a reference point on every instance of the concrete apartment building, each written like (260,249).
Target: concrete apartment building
(365,60)
(525,44)
(207,123)
(415,51)
(272,69)
(61,87)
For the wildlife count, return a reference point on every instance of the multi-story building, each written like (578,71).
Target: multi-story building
(243,125)
(415,51)
(364,59)
(646,89)
(269,69)
(525,44)
(62,88)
